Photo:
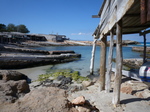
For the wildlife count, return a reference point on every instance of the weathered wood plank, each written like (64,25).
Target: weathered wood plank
(103,63)
(116,12)
(143,12)
(118,74)
(148,10)
(110,57)
(93,57)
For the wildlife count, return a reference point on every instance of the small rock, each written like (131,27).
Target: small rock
(60,77)
(47,82)
(66,81)
(82,109)
(79,100)
(86,83)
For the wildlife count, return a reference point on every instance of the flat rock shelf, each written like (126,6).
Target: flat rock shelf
(11,58)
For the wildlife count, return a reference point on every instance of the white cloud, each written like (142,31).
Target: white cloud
(80,33)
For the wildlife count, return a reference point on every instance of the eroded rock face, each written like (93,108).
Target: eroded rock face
(136,88)
(46,99)
(12,86)
(12,90)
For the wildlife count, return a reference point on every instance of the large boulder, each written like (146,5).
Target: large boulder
(12,75)
(46,99)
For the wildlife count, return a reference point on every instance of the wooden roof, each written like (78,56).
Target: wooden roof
(114,10)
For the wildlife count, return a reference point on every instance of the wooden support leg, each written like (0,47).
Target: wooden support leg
(109,68)
(93,57)
(103,63)
(118,74)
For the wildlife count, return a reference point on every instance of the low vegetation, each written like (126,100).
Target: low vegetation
(65,72)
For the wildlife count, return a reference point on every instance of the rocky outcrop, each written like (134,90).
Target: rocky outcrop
(140,49)
(61,82)
(12,90)
(125,42)
(7,75)
(24,50)
(24,61)
(136,88)
(12,86)
(132,63)
(48,99)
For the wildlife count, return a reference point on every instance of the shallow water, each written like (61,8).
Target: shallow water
(82,65)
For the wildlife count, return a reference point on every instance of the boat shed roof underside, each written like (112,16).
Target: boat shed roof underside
(114,10)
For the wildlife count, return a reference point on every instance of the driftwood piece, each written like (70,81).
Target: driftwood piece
(103,63)
(118,74)
(110,57)
(93,57)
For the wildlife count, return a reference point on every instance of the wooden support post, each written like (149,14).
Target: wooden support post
(118,74)
(144,51)
(93,57)
(143,12)
(103,63)
(109,68)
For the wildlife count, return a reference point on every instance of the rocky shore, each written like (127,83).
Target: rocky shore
(70,43)
(141,49)
(18,96)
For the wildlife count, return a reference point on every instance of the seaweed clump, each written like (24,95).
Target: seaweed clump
(65,72)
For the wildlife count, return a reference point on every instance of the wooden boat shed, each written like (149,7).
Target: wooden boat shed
(118,17)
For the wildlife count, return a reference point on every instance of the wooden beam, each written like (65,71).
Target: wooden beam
(110,57)
(143,12)
(132,15)
(148,10)
(144,32)
(118,74)
(103,62)
(141,26)
(95,16)
(93,57)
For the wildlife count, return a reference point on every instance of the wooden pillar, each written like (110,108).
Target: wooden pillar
(109,68)
(118,74)
(103,62)
(93,57)
(144,51)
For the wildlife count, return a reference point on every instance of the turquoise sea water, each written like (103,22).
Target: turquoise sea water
(83,64)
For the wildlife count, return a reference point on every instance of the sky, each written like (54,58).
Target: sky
(72,18)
